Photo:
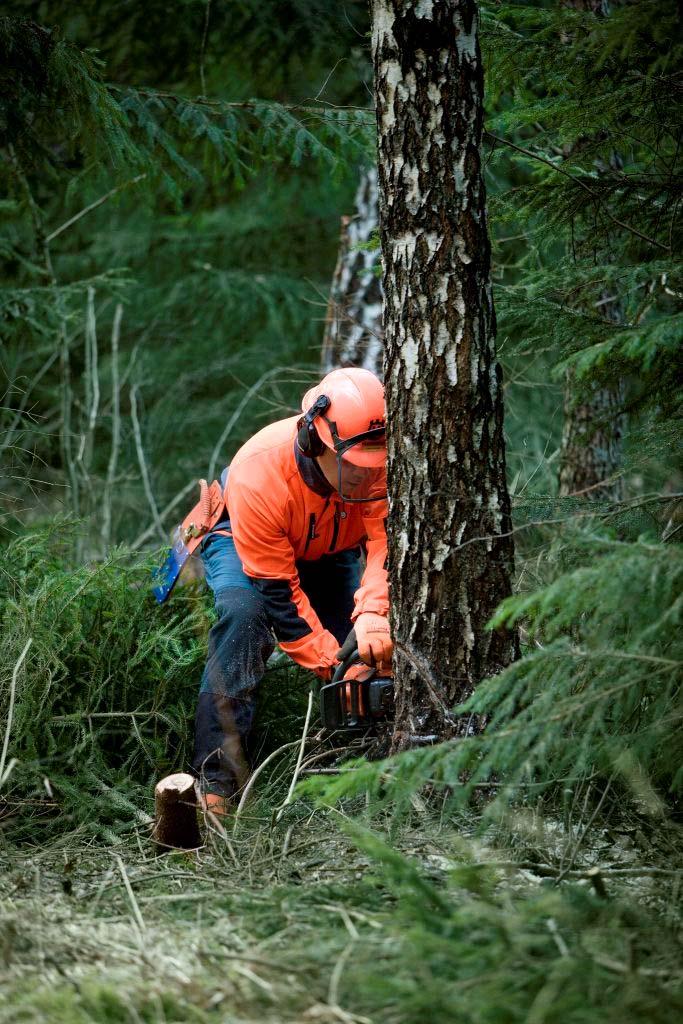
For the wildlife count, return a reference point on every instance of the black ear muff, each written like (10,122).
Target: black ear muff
(307,439)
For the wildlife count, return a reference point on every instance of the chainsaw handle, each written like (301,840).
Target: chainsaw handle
(349,656)
(349,646)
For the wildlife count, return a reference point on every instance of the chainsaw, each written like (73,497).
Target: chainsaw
(359,703)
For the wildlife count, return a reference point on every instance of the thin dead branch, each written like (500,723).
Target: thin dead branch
(115,429)
(143,464)
(295,776)
(4,774)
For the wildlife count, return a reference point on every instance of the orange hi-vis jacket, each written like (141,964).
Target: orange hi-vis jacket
(282,510)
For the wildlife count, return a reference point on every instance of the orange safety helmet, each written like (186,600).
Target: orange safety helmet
(353,421)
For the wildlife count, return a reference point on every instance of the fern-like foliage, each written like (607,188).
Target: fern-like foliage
(212,220)
(596,694)
(583,126)
(101,700)
(494,956)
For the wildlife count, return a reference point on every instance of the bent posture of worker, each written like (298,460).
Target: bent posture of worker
(301,501)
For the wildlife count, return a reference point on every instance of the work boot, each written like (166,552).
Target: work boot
(215,803)
(219,761)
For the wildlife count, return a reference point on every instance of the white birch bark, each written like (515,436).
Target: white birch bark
(353,327)
(450,543)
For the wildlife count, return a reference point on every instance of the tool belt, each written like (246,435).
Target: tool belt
(204,516)
(203,519)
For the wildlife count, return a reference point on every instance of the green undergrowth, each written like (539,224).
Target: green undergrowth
(103,702)
(594,702)
(392,892)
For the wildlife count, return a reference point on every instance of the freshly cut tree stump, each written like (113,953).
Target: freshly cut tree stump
(175,805)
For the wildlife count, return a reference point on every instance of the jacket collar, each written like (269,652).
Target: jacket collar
(311,474)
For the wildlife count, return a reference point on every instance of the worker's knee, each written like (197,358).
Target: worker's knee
(240,643)
(239,606)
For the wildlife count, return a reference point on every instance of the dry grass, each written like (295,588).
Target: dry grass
(293,921)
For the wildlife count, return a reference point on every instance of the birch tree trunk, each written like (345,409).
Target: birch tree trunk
(353,326)
(450,544)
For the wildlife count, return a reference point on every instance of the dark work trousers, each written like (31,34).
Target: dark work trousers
(240,643)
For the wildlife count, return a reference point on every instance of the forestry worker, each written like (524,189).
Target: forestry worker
(283,540)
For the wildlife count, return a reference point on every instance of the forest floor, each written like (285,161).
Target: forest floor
(315,919)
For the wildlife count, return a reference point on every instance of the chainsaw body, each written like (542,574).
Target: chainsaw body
(357,703)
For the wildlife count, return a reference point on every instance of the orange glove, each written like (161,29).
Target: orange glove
(374,638)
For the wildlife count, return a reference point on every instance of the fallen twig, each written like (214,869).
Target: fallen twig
(250,784)
(297,769)
(244,401)
(321,755)
(139,920)
(93,206)
(151,530)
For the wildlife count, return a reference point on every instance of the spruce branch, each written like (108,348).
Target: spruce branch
(93,206)
(581,184)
